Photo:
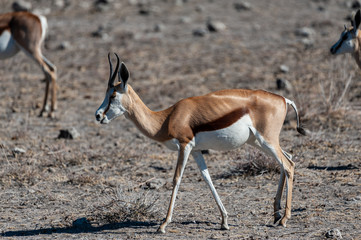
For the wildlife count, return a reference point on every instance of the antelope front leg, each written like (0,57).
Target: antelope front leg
(204,171)
(183,154)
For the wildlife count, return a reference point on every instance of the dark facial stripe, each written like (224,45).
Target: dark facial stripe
(113,95)
(222,122)
(343,38)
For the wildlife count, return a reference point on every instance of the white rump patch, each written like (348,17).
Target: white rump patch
(8,46)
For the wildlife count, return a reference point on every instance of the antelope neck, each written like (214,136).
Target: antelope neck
(150,123)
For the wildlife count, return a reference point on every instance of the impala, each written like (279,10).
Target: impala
(26,31)
(220,120)
(350,40)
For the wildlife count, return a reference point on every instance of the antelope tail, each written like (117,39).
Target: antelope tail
(300,129)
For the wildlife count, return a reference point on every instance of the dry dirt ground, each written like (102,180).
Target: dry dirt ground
(113,183)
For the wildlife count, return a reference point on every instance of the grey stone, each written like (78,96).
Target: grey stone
(21,6)
(242,6)
(284,68)
(200,32)
(334,233)
(71,133)
(305,32)
(283,84)
(18,150)
(215,26)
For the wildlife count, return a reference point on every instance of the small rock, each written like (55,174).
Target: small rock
(100,33)
(159,27)
(205,152)
(308,42)
(242,6)
(185,19)
(200,32)
(334,233)
(179,3)
(64,45)
(102,5)
(215,26)
(59,3)
(133,2)
(283,84)
(199,8)
(284,68)
(155,184)
(21,6)
(305,32)
(71,133)
(18,150)
(144,9)
(356,4)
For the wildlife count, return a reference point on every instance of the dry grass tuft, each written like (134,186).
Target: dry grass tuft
(254,163)
(125,206)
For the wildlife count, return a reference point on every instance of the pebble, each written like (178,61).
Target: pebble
(21,6)
(18,150)
(284,68)
(241,6)
(305,32)
(200,32)
(155,184)
(283,84)
(71,133)
(334,233)
(215,26)
(159,27)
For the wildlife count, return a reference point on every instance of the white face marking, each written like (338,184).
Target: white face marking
(227,138)
(346,43)
(111,107)
(8,45)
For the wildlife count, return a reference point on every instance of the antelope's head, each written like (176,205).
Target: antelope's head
(348,42)
(112,105)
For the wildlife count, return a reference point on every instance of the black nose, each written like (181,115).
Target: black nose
(98,117)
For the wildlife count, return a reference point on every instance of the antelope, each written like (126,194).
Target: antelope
(221,120)
(26,31)
(350,40)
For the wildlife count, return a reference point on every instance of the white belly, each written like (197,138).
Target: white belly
(8,46)
(228,138)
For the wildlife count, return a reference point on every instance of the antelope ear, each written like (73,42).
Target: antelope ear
(356,21)
(123,76)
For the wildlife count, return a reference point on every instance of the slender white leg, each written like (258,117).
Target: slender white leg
(183,154)
(286,179)
(204,171)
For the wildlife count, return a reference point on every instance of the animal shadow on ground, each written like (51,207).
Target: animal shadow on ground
(333,168)
(84,227)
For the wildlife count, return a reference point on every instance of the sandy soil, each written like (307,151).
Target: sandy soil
(113,183)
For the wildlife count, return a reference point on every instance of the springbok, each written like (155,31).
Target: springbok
(350,40)
(26,31)
(220,120)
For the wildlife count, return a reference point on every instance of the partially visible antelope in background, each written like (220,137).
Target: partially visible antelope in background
(350,40)
(26,31)
(221,120)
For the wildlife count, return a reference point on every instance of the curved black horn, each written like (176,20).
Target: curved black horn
(112,74)
(111,67)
